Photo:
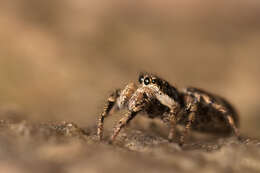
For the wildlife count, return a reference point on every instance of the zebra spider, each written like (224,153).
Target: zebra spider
(194,108)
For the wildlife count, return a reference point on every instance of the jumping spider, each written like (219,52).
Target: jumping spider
(191,107)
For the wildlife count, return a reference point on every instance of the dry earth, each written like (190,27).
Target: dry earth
(65,148)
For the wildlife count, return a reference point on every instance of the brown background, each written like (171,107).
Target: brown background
(60,59)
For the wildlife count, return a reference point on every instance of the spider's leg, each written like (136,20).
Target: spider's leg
(186,132)
(138,102)
(192,109)
(170,119)
(174,111)
(107,108)
(118,97)
(172,127)
(228,117)
(122,122)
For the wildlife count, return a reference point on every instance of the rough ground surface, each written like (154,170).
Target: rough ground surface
(65,147)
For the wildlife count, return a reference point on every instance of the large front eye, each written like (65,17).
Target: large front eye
(141,79)
(146,81)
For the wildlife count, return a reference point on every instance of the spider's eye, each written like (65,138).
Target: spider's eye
(153,81)
(146,81)
(141,79)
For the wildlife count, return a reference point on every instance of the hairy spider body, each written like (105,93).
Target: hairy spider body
(191,107)
(212,114)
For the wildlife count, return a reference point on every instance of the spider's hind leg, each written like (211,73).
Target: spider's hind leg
(229,118)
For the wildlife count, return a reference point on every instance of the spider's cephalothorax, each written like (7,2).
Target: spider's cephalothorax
(194,108)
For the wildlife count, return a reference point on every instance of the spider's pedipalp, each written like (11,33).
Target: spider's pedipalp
(125,95)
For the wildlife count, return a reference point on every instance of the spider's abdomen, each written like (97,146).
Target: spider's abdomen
(211,112)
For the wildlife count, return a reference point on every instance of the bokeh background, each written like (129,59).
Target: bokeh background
(59,60)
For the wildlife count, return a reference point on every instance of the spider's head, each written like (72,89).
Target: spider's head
(147,79)
(158,84)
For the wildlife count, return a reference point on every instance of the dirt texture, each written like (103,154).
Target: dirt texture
(65,147)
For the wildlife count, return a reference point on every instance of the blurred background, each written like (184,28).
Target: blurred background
(59,60)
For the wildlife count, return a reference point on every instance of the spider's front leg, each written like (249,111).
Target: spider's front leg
(107,108)
(122,122)
(138,102)
(118,97)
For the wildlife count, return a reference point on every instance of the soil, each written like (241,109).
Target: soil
(66,147)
